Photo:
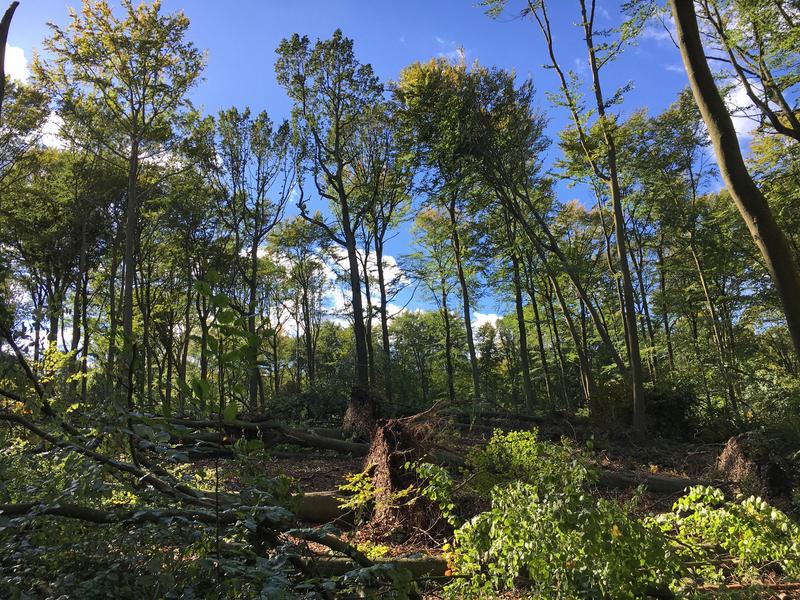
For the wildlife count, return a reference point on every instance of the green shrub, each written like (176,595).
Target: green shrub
(718,538)
(563,544)
(519,456)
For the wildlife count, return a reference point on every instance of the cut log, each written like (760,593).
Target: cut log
(317,508)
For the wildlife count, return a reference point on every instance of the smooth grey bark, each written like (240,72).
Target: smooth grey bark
(751,203)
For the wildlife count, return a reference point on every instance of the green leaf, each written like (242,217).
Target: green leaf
(220,300)
(229,414)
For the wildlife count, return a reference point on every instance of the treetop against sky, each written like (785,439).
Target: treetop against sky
(240,40)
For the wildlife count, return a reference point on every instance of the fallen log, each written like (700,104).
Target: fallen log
(424,566)
(657,484)
(317,508)
(329,432)
(317,441)
(102,517)
(278,432)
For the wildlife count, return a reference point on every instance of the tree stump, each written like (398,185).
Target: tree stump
(361,414)
(395,443)
(745,462)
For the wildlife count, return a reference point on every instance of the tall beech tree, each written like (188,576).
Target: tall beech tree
(333,94)
(125,81)
(426,93)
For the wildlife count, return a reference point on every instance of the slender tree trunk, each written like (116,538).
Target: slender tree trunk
(113,319)
(129,263)
(308,338)
(527,386)
(86,339)
(77,312)
(638,267)
(252,382)
(540,339)
(359,418)
(359,329)
(519,214)
(587,379)
(368,326)
(387,352)
(637,375)
(715,328)
(184,349)
(662,285)
(556,338)
(749,200)
(169,358)
(462,281)
(448,347)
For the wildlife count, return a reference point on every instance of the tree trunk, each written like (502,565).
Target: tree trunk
(113,319)
(629,314)
(308,338)
(540,338)
(527,386)
(368,326)
(662,285)
(556,338)
(448,347)
(749,200)
(129,264)
(86,340)
(462,280)
(387,353)
(252,381)
(587,379)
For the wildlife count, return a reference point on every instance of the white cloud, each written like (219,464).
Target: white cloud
(338,296)
(51,132)
(660,30)
(450,49)
(675,68)
(16,64)
(479,319)
(741,107)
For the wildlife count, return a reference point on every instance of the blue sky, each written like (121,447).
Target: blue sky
(240,37)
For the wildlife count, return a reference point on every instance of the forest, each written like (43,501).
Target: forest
(222,375)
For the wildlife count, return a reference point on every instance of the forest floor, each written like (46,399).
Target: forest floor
(325,471)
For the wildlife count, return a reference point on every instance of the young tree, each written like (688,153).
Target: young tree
(254,172)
